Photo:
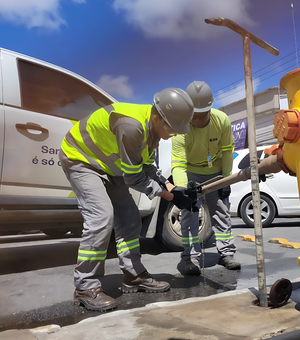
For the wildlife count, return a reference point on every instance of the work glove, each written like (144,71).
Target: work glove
(224,192)
(162,179)
(191,191)
(262,178)
(181,199)
(163,185)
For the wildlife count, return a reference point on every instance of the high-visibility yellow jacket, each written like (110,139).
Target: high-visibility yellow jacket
(117,140)
(190,152)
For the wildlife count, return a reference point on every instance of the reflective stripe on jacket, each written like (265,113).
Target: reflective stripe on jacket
(92,141)
(190,152)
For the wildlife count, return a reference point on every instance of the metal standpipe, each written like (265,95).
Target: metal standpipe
(247,37)
(266,166)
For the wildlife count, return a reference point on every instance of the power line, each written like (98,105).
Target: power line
(242,79)
(230,92)
(276,67)
(278,73)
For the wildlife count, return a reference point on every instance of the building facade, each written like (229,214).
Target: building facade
(266,104)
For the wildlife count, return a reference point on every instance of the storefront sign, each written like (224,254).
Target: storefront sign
(239,131)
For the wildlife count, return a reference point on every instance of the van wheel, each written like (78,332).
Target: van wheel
(171,231)
(267,208)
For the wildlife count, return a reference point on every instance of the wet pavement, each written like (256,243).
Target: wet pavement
(42,296)
(226,316)
(65,313)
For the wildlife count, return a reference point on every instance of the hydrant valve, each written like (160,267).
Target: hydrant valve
(286,126)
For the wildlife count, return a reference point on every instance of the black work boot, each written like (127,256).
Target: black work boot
(229,262)
(144,282)
(191,269)
(94,299)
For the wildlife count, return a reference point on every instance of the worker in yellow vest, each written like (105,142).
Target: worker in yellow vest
(205,152)
(103,156)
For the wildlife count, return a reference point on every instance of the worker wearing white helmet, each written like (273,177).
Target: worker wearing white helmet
(205,152)
(103,156)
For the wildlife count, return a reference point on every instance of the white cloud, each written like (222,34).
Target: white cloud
(233,94)
(116,86)
(33,13)
(178,19)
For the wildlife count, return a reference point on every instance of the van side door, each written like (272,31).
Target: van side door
(42,103)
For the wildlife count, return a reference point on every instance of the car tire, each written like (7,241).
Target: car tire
(171,230)
(268,211)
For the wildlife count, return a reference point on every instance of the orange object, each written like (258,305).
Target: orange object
(287,124)
(272,150)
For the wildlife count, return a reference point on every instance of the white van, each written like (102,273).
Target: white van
(39,102)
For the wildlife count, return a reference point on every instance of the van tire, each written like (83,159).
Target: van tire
(171,230)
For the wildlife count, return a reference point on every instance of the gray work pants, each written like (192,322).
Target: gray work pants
(104,205)
(220,220)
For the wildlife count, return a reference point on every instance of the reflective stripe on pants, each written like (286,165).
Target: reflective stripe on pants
(220,220)
(104,205)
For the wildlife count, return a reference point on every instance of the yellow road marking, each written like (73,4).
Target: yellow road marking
(247,238)
(278,240)
(291,245)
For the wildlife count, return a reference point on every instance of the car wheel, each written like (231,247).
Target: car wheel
(267,208)
(171,231)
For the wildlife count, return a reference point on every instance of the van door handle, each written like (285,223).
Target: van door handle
(31,126)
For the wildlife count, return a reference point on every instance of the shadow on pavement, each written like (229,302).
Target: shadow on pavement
(49,253)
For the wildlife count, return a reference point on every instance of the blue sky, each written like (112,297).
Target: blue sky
(134,48)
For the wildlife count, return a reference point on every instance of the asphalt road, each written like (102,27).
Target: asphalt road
(36,274)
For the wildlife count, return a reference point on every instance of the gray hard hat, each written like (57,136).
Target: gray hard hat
(201,96)
(175,107)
